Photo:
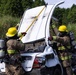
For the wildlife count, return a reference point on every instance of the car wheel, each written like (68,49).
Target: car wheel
(55,71)
(43,71)
(51,71)
(27,73)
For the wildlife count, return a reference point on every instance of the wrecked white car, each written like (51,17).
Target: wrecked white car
(39,52)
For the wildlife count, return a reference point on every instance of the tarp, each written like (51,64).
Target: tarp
(40,27)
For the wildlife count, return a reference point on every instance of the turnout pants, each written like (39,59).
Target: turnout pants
(14,70)
(66,62)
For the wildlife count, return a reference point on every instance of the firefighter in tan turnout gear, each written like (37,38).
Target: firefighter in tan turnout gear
(63,44)
(13,66)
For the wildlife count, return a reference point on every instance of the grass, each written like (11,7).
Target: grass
(6,22)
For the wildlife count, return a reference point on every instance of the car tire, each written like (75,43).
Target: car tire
(56,71)
(51,71)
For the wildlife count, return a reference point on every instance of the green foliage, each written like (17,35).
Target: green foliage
(6,22)
(27,4)
(72,14)
(16,8)
(66,16)
(38,3)
(58,13)
(11,7)
(72,27)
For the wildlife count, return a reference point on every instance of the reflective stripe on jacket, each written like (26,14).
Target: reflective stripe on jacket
(63,48)
(63,44)
(11,51)
(14,46)
(66,57)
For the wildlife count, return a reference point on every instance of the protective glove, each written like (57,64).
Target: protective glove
(54,37)
(17,25)
(23,33)
(53,26)
(50,38)
(20,35)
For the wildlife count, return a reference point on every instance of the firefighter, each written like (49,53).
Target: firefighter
(14,46)
(63,44)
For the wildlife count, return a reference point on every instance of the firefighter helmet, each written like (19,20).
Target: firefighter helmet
(62,28)
(12,31)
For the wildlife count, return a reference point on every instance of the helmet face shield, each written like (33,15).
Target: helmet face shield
(11,32)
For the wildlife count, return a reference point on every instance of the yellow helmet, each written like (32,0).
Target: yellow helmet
(62,28)
(12,31)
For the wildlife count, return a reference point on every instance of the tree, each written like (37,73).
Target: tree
(72,14)
(2,6)
(11,7)
(65,14)
(39,3)
(27,4)
(17,7)
(58,13)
